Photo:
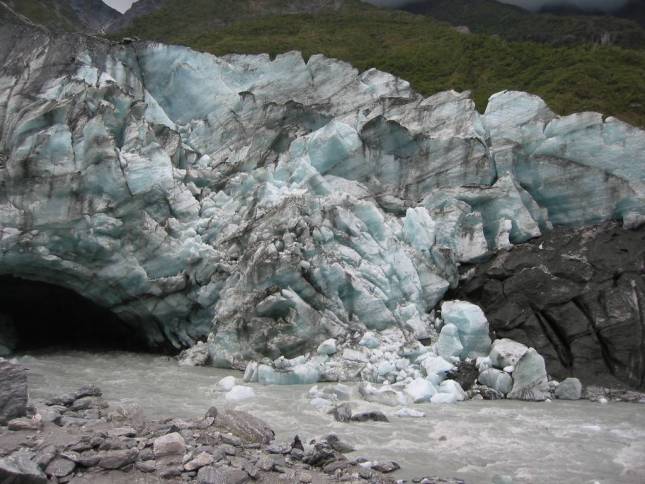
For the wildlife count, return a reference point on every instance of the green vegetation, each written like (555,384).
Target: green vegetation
(428,53)
(513,23)
(50,13)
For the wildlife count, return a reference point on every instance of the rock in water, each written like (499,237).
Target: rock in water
(342,413)
(13,397)
(530,380)
(292,199)
(569,389)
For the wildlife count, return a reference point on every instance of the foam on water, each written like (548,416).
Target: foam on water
(564,442)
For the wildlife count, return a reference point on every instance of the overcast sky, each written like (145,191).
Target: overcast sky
(606,5)
(123,5)
(120,5)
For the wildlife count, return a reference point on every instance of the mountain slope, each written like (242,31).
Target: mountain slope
(633,10)
(138,9)
(430,54)
(67,15)
(514,23)
(94,14)
(169,17)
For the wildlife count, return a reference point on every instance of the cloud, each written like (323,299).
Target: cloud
(604,5)
(391,3)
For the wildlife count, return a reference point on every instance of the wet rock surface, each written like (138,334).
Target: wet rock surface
(13,396)
(576,296)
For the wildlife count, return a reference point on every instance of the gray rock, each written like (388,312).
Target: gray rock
(170,444)
(245,426)
(60,467)
(13,397)
(320,455)
(19,468)
(117,459)
(146,466)
(25,423)
(88,391)
(569,389)
(342,413)
(212,475)
(339,446)
(374,416)
(386,467)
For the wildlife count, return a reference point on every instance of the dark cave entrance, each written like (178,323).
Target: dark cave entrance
(41,316)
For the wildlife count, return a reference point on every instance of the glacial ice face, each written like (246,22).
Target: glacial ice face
(273,204)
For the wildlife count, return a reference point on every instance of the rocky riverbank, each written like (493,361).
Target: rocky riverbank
(81,437)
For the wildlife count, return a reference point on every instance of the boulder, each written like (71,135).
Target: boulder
(342,413)
(19,468)
(60,467)
(221,475)
(169,444)
(13,397)
(372,415)
(338,445)
(245,426)
(530,381)
(569,389)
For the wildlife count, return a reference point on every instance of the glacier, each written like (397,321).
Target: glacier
(270,205)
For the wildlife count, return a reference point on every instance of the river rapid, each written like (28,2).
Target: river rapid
(556,442)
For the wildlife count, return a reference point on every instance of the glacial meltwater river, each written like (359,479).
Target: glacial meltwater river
(557,442)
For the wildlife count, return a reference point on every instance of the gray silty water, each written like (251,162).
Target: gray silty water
(563,442)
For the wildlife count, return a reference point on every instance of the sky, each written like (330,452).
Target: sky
(120,5)
(608,5)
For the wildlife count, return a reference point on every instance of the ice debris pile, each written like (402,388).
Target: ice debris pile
(395,372)
(270,205)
